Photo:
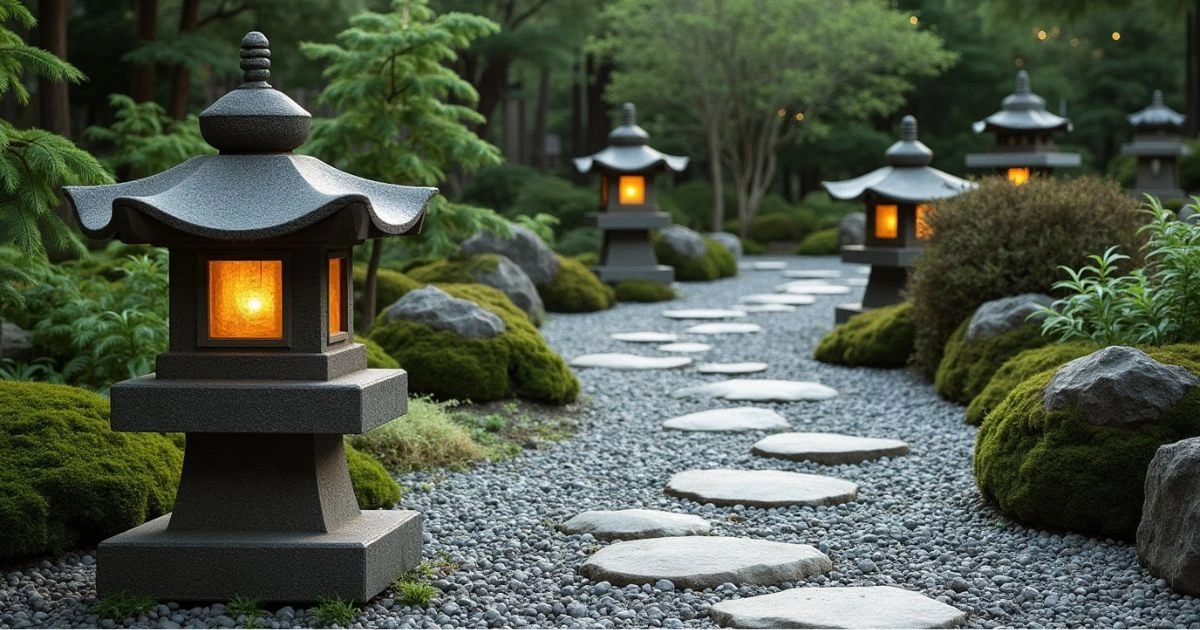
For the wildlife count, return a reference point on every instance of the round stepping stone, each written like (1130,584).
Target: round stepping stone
(766,265)
(634,524)
(760,488)
(806,287)
(645,337)
(837,607)
(812,273)
(767,308)
(760,390)
(622,361)
(704,313)
(748,367)
(827,448)
(790,299)
(685,346)
(700,562)
(724,328)
(863,270)
(856,282)
(729,419)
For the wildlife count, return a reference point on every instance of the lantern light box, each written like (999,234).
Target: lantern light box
(1157,146)
(1023,137)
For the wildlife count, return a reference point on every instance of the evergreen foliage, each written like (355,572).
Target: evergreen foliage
(144,140)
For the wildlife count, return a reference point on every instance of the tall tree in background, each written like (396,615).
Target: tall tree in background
(54,102)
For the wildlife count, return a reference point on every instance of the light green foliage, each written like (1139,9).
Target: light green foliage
(557,197)
(717,263)
(374,488)
(786,225)
(881,337)
(968,364)
(541,224)
(643,291)
(497,187)
(335,611)
(144,140)
(66,479)
(377,358)
(1020,367)
(251,607)
(575,290)
(579,241)
(412,593)
(121,606)
(820,243)
(428,436)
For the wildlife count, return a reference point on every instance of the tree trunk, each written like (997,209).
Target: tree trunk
(577,134)
(598,122)
(369,299)
(540,114)
(54,102)
(143,75)
(181,79)
(1193,71)
(718,185)
(492,85)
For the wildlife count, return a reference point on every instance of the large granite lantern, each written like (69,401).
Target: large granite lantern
(262,372)
(1157,146)
(897,197)
(628,208)
(1024,137)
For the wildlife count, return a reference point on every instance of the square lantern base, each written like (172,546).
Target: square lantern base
(355,562)
(844,312)
(612,274)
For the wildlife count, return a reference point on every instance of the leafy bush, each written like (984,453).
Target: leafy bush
(643,291)
(575,289)
(578,241)
(1020,367)
(588,259)
(374,488)
(968,364)
(144,140)
(376,356)
(426,437)
(753,248)
(717,263)
(782,226)
(881,337)
(1000,240)
(556,197)
(541,224)
(827,210)
(497,187)
(820,243)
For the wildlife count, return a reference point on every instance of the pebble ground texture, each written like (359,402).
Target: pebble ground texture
(918,522)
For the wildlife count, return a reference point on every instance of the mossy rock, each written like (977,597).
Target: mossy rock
(374,488)
(881,337)
(517,362)
(643,291)
(968,364)
(1054,469)
(66,479)
(575,290)
(820,243)
(389,286)
(588,259)
(1020,367)
(458,270)
(718,262)
(377,357)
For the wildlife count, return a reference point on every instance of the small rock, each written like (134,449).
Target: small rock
(1118,386)
(1005,314)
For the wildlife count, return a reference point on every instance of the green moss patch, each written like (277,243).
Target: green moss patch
(425,437)
(881,337)
(1015,370)
(820,243)
(460,270)
(575,290)
(716,263)
(643,291)
(968,364)
(374,488)
(389,286)
(377,357)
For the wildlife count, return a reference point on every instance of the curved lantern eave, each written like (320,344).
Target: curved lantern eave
(625,160)
(906,185)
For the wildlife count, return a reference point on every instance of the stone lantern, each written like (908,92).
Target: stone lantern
(262,373)
(628,207)
(1157,146)
(1024,137)
(898,197)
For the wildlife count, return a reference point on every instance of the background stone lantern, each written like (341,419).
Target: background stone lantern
(1024,137)
(628,207)
(897,197)
(262,372)
(1157,146)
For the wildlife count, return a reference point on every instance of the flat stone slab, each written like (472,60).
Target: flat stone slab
(790,299)
(645,337)
(724,328)
(704,313)
(748,367)
(685,346)
(700,562)
(635,524)
(766,265)
(827,448)
(865,270)
(837,607)
(760,390)
(812,273)
(767,308)
(809,287)
(729,419)
(623,361)
(760,488)
(856,282)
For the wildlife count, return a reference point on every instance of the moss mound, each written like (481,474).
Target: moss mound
(881,337)
(968,364)
(374,488)
(1020,367)
(575,290)
(820,243)
(517,362)
(461,270)
(716,263)
(1053,469)
(426,437)
(389,286)
(377,357)
(68,480)
(643,291)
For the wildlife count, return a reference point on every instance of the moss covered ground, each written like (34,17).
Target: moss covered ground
(881,337)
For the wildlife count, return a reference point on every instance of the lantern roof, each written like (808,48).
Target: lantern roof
(1022,111)
(628,151)
(255,188)
(907,178)
(1157,115)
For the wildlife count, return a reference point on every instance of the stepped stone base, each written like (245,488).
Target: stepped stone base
(613,274)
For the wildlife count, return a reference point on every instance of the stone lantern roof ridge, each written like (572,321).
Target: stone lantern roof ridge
(1156,115)
(628,151)
(1023,111)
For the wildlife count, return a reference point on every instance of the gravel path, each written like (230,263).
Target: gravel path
(918,522)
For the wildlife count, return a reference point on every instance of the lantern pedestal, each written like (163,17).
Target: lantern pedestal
(885,285)
(628,252)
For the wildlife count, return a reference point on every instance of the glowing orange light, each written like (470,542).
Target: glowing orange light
(887,221)
(245,299)
(337,296)
(631,190)
(1018,176)
(1042,35)
(914,20)
(924,230)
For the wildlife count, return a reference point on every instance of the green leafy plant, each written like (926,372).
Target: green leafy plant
(121,606)
(414,593)
(541,224)
(144,140)
(250,607)
(335,611)
(40,369)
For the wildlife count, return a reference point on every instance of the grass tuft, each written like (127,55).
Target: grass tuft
(121,606)
(335,611)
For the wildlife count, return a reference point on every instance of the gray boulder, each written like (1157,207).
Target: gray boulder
(1168,538)
(515,283)
(728,241)
(686,242)
(853,229)
(16,343)
(525,248)
(1118,386)
(1005,314)
(1188,214)
(435,308)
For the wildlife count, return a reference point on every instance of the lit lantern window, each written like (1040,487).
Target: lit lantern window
(603,190)
(924,230)
(632,190)
(1018,176)
(245,299)
(887,221)
(337,296)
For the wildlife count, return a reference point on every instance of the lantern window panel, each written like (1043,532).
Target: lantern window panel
(244,302)
(1018,175)
(338,304)
(631,190)
(887,221)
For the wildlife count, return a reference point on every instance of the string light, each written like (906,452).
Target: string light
(914,20)
(1116,35)
(799,116)
(1042,35)
(781,111)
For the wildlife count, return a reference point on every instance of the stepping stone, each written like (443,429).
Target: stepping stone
(700,562)
(760,390)
(856,282)
(634,524)
(622,361)
(748,367)
(827,448)
(766,265)
(760,488)
(704,313)
(729,419)
(812,273)
(685,346)
(837,607)
(790,299)
(810,287)
(767,308)
(724,328)
(645,337)
(866,270)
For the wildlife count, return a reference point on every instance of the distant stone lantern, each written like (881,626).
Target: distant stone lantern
(1024,137)
(628,207)
(1157,146)
(262,372)
(898,198)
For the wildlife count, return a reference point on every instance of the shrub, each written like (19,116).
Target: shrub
(643,291)
(717,263)
(426,437)
(1054,469)
(881,337)
(556,197)
(1000,240)
(575,290)
(66,479)
(497,187)
(752,248)
(374,488)
(377,357)
(820,243)
(782,226)
(1020,367)
(584,240)
(968,364)
(588,259)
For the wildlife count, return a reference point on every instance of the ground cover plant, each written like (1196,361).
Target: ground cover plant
(881,337)
(575,290)
(968,365)
(717,262)
(643,291)
(1017,369)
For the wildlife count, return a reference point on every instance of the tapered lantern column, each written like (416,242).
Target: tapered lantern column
(1024,137)
(628,208)
(898,197)
(1158,147)
(262,372)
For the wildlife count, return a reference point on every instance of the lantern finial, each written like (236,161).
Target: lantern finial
(629,114)
(256,60)
(1022,83)
(1157,98)
(908,151)
(908,129)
